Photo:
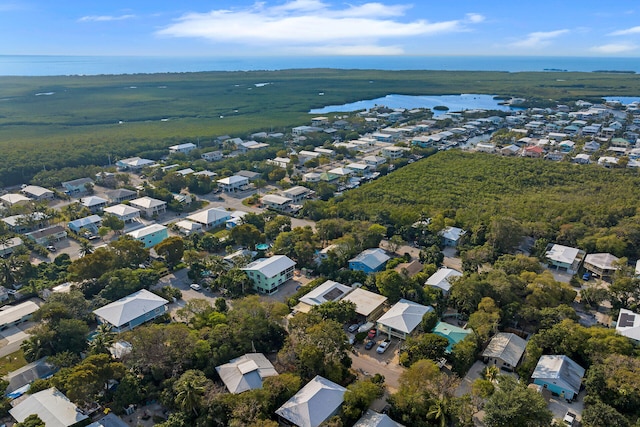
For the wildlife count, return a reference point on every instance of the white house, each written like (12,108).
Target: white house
(451,236)
(210,218)
(124,213)
(233,183)
(188,228)
(315,403)
(279,203)
(246,372)
(601,265)
(149,207)
(51,406)
(13,199)
(565,258)
(212,156)
(505,350)
(132,310)
(442,279)
(182,148)
(95,204)
(327,291)
(37,193)
(402,319)
(134,163)
(628,324)
(297,194)
(374,161)
(369,305)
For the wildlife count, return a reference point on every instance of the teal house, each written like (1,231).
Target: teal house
(453,334)
(267,274)
(150,235)
(559,374)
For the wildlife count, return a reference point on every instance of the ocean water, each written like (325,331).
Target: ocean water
(461,102)
(43,65)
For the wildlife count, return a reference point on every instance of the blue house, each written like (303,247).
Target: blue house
(132,310)
(150,235)
(90,223)
(559,374)
(369,261)
(452,333)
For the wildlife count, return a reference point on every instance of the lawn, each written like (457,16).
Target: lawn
(12,362)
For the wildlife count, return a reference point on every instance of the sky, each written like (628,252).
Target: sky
(320,27)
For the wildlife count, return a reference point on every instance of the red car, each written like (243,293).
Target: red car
(372,334)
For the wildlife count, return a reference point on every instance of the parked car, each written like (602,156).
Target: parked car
(51,248)
(195,287)
(569,419)
(372,333)
(353,327)
(586,276)
(369,345)
(384,345)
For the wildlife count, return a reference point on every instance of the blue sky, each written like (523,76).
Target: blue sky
(320,27)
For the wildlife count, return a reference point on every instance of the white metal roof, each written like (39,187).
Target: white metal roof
(328,291)
(93,201)
(145,231)
(506,346)
(442,278)
(604,261)
(275,199)
(372,258)
(36,190)
(559,367)
(209,216)
(13,198)
(131,307)
(235,179)
(246,372)
(52,406)
(121,210)
(314,403)
(147,202)
(452,233)
(374,419)
(563,254)
(12,313)
(366,301)
(404,316)
(271,267)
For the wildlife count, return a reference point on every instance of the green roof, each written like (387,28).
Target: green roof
(453,334)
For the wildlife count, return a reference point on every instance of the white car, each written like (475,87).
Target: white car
(384,345)
(195,287)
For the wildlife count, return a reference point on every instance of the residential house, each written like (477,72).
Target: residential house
(510,150)
(340,172)
(14,199)
(132,310)
(409,269)
(150,235)
(187,227)
(25,223)
(628,324)
(8,247)
(323,254)
(210,218)
(124,213)
(374,161)
(297,194)
(51,406)
(89,223)
(185,172)
(182,148)
(77,186)
(359,169)
(236,218)
(383,137)
(327,176)
(212,156)
(252,145)
(95,204)
(149,207)
(602,265)
(369,261)
(301,130)
(47,235)
(505,350)
(327,291)
(591,146)
(306,155)
(239,258)
(452,333)
(267,274)
(120,195)
(37,193)
(325,151)
(12,315)
(281,162)
(393,153)
(275,202)
(442,279)
(582,159)
(134,164)
(319,121)
(559,374)
(21,379)
(316,402)
(109,420)
(369,305)
(564,258)
(233,183)
(535,151)
(250,175)
(311,177)
(484,147)
(402,319)
(451,236)
(246,372)
(374,419)
(205,173)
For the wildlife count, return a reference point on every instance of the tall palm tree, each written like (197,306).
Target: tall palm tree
(102,340)
(85,248)
(189,390)
(490,373)
(438,411)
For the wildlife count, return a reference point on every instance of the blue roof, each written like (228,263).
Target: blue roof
(453,334)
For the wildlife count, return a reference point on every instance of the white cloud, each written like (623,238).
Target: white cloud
(626,32)
(538,39)
(614,48)
(315,25)
(104,18)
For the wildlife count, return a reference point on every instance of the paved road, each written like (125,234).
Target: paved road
(367,365)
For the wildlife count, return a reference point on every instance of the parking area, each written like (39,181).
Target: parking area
(367,363)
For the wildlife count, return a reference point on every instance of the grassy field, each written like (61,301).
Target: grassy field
(51,122)
(12,362)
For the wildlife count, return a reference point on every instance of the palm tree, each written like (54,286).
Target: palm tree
(102,340)
(438,411)
(189,390)
(490,373)
(85,248)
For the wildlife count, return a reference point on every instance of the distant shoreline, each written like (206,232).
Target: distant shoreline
(60,65)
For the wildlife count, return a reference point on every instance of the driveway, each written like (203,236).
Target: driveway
(367,363)
(11,338)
